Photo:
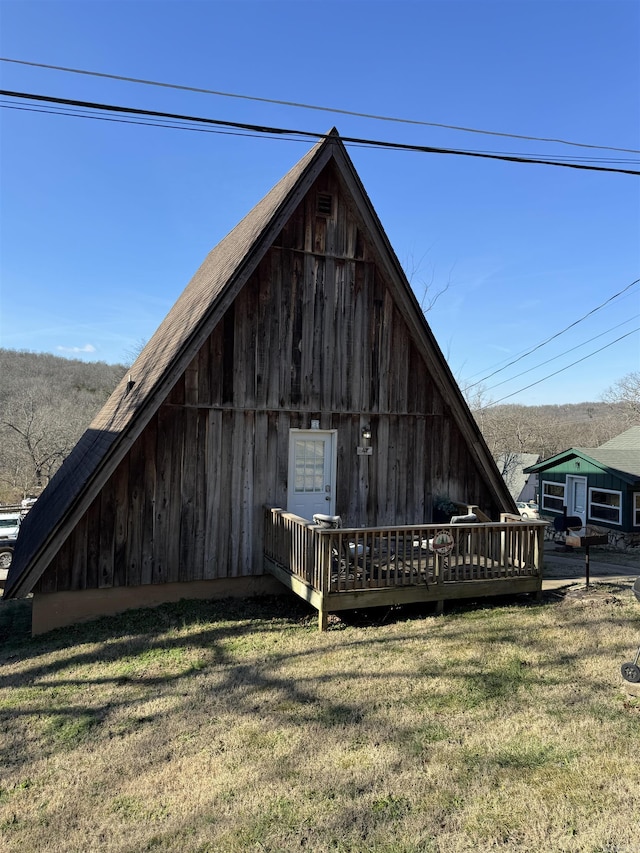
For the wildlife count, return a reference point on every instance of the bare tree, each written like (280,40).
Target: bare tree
(134,351)
(424,285)
(543,430)
(46,403)
(42,431)
(510,465)
(625,393)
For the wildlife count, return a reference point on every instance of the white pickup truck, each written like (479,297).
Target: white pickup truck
(9,525)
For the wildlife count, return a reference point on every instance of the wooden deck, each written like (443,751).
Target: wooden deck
(352,568)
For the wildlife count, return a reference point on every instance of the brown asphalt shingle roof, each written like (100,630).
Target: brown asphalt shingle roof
(177,340)
(155,370)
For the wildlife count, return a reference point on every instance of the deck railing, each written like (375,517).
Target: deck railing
(353,559)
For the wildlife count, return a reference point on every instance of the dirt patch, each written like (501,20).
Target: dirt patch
(594,595)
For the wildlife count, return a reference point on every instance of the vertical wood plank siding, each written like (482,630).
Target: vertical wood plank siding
(314,333)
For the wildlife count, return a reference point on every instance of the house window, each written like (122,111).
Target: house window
(636,509)
(605,505)
(552,496)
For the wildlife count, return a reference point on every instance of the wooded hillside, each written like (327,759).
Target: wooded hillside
(547,430)
(46,403)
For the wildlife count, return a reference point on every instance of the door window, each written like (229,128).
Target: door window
(309,462)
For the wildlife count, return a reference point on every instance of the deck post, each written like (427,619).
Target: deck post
(438,565)
(323,619)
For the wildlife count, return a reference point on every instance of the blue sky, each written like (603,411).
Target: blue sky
(102,224)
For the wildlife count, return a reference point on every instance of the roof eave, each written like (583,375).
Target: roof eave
(575,453)
(417,322)
(317,159)
(132,425)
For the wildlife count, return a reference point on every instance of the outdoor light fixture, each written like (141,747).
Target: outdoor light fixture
(366,433)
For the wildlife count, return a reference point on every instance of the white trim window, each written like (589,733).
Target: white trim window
(553,496)
(605,505)
(636,509)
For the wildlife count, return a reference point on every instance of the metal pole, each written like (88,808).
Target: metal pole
(586,564)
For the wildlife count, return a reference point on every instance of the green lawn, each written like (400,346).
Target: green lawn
(239,727)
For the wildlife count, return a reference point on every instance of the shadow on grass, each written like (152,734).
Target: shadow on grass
(227,617)
(234,617)
(223,628)
(374,617)
(15,623)
(243,678)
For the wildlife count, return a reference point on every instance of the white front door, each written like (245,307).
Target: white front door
(312,472)
(577,497)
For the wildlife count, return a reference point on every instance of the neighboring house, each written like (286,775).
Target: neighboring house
(296,370)
(600,485)
(523,487)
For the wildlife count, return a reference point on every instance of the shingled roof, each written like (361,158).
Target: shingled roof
(627,440)
(179,337)
(624,463)
(151,377)
(620,455)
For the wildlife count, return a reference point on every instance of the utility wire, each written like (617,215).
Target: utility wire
(174,125)
(280,132)
(556,335)
(523,353)
(561,370)
(140,122)
(566,352)
(298,105)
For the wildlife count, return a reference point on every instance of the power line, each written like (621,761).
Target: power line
(144,122)
(556,335)
(561,370)
(139,122)
(315,107)
(282,132)
(566,352)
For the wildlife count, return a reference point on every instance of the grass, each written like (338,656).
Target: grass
(236,726)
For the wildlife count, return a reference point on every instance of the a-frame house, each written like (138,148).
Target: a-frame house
(296,370)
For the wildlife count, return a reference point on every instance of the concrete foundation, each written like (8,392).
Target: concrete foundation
(57,609)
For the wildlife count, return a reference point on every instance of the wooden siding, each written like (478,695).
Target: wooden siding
(596,479)
(314,333)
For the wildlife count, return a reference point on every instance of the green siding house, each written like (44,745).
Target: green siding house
(600,485)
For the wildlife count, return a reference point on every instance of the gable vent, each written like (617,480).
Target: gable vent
(324,204)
